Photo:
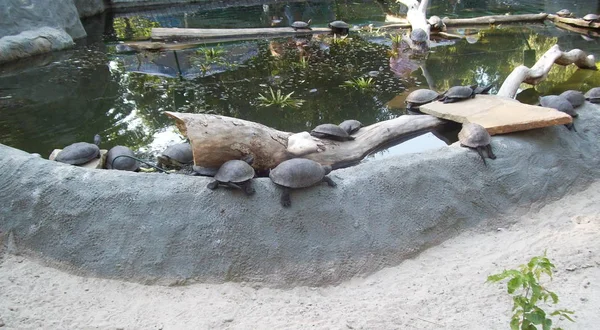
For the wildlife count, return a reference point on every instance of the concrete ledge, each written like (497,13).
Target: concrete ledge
(170,229)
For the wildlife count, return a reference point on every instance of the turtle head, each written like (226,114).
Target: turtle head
(97,139)
(327,169)
(248,159)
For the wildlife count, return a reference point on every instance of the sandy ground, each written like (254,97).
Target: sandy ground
(442,288)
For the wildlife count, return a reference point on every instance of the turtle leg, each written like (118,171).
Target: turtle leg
(329,181)
(247,188)
(213,185)
(480,152)
(286,201)
(490,152)
(571,127)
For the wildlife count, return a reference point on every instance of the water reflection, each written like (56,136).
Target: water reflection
(57,99)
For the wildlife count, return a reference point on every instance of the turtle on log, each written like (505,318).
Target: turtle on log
(332,132)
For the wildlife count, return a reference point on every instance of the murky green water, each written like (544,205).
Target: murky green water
(60,98)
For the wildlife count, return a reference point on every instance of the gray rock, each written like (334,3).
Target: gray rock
(34,42)
(155,228)
(87,8)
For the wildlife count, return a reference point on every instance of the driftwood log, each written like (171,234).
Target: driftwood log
(229,34)
(539,71)
(217,139)
(574,21)
(495,19)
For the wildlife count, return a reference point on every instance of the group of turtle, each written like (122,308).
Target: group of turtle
(341,132)
(80,153)
(569,100)
(590,18)
(454,94)
(337,27)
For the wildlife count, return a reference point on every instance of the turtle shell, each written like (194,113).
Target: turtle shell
(339,25)
(564,13)
(576,98)
(298,173)
(421,96)
(351,125)
(235,171)
(300,25)
(78,153)
(473,135)
(559,103)
(436,22)
(114,162)
(459,93)
(418,35)
(177,155)
(593,95)
(591,17)
(331,131)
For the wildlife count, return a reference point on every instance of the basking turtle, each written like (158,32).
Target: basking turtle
(591,18)
(236,174)
(299,173)
(476,137)
(332,132)
(339,27)
(419,97)
(351,126)
(458,93)
(593,95)
(120,158)
(419,36)
(576,98)
(561,104)
(176,156)
(79,153)
(436,23)
(300,25)
(565,13)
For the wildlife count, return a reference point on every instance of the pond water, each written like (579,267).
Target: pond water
(53,100)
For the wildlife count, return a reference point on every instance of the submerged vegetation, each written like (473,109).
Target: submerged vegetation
(279,99)
(359,83)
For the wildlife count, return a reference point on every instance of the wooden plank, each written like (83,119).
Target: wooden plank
(181,33)
(497,114)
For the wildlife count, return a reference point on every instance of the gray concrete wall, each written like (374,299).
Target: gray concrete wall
(157,228)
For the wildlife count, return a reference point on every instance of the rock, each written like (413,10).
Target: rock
(19,16)
(302,143)
(33,42)
(87,8)
(497,114)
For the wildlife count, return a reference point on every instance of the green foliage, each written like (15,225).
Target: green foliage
(212,53)
(340,40)
(359,83)
(133,27)
(524,285)
(396,38)
(279,99)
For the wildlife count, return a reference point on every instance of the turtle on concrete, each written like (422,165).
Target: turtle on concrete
(236,174)
(593,95)
(300,25)
(591,18)
(419,97)
(79,153)
(576,98)
(299,173)
(339,27)
(561,104)
(121,158)
(458,93)
(176,156)
(564,13)
(476,137)
(332,132)
(351,126)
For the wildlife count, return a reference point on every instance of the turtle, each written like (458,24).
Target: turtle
(121,158)
(591,18)
(593,95)
(561,104)
(476,137)
(236,174)
(576,98)
(339,27)
(419,36)
(483,90)
(351,126)
(79,153)
(299,173)
(419,97)
(300,25)
(332,132)
(458,93)
(565,13)
(436,23)
(176,156)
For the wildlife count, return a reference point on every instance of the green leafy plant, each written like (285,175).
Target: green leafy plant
(279,99)
(396,38)
(340,40)
(359,83)
(212,53)
(526,290)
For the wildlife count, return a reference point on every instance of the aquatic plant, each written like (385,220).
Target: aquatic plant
(340,40)
(359,83)
(279,99)
(212,53)
(396,38)
(526,280)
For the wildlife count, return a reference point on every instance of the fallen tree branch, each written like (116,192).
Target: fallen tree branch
(230,34)
(417,17)
(495,19)
(540,69)
(217,139)
(574,21)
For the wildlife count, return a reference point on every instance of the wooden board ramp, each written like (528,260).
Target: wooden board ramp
(234,34)
(498,115)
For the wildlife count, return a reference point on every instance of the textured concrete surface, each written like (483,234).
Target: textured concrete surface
(497,114)
(157,228)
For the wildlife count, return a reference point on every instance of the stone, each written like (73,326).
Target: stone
(33,42)
(497,114)
(87,8)
(97,163)
(303,143)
